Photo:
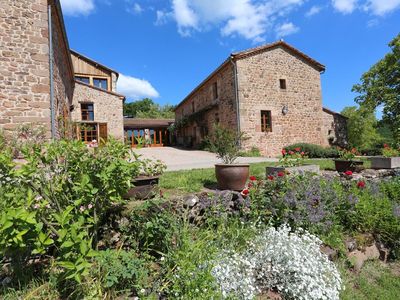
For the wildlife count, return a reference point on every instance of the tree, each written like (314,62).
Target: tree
(146,108)
(381,86)
(362,128)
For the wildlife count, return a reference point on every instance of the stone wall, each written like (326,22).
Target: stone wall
(204,110)
(63,74)
(24,64)
(259,89)
(108,108)
(334,128)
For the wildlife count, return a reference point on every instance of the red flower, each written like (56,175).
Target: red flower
(250,185)
(253,178)
(283,152)
(281,174)
(298,149)
(385,146)
(348,173)
(361,184)
(303,153)
(291,152)
(270,177)
(245,192)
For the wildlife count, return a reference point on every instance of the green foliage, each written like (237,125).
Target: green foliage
(226,143)
(253,152)
(120,270)
(362,128)
(53,204)
(151,228)
(146,108)
(388,151)
(380,87)
(314,151)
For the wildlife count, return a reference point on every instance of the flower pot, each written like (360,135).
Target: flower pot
(347,165)
(380,162)
(293,170)
(144,187)
(232,176)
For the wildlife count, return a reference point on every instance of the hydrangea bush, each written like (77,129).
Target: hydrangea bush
(290,262)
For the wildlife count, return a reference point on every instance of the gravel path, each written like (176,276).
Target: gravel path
(180,159)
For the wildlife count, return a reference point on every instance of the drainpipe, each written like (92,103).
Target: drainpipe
(236,84)
(52,108)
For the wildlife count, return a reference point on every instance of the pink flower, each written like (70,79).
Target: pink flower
(291,152)
(36,206)
(348,173)
(82,208)
(48,206)
(281,174)
(283,152)
(90,206)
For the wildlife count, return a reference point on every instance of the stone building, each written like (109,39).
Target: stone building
(271,93)
(97,108)
(37,75)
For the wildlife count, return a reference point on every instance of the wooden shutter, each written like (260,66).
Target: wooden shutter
(102,132)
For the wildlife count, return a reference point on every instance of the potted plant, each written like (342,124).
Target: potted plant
(292,161)
(389,160)
(144,185)
(226,144)
(346,161)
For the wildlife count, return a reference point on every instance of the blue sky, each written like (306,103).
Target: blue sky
(164,48)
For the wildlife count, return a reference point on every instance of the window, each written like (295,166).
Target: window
(282,83)
(266,121)
(87,111)
(83,79)
(100,83)
(215,90)
(88,132)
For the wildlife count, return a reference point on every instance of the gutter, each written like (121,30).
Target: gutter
(236,84)
(51,58)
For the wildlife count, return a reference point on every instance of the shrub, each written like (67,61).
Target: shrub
(120,270)
(314,151)
(292,263)
(53,204)
(253,152)
(226,143)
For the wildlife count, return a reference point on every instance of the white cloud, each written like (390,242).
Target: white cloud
(286,29)
(251,19)
(77,7)
(382,7)
(313,11)
(135,88)
(137,8)
(162,17)
(345,6)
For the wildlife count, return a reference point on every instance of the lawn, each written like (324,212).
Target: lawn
(195,180)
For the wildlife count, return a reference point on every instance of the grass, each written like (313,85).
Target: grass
(195,180)
(375,281)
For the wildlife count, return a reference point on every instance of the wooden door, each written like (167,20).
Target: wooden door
(102,132)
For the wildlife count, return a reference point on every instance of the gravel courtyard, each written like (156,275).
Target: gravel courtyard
(183,159)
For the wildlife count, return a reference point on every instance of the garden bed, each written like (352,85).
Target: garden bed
(293,170)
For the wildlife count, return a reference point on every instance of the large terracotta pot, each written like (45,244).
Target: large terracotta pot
(347,165)
(143,187)
(232,176)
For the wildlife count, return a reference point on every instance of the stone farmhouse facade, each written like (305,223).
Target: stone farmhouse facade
(271,93)
(42,81)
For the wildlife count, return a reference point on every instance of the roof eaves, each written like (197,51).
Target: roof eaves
(329,111)
(93,61)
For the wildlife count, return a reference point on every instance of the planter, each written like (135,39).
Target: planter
(232,176)
(347,165)
(380,162)
(293,170)
(144,187)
